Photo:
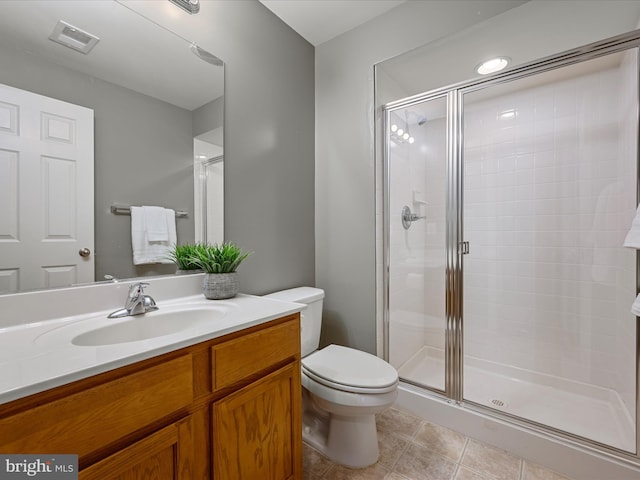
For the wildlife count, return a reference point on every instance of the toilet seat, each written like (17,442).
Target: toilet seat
(350,370)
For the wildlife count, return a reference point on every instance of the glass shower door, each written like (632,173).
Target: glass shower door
(416,206)
(550,182)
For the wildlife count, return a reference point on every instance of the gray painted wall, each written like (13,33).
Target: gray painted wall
(208,117)
(143,154)
(269,136)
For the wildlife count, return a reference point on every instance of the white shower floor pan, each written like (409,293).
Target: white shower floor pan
(581,409)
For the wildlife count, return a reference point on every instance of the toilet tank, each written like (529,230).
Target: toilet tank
(310,317)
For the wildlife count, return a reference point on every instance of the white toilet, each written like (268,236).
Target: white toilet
(343,389)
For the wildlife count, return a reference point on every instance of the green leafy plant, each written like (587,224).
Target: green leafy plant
(184,255)
(224,258)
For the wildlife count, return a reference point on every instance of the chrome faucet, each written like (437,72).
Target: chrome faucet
(137,302)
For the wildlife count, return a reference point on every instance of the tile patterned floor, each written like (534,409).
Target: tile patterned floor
(414,449)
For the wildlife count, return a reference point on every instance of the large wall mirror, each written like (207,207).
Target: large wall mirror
(144,106)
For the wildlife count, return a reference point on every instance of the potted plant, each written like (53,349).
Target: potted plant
(219,263)
(183,256)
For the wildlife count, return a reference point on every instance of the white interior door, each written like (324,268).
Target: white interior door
(46,192)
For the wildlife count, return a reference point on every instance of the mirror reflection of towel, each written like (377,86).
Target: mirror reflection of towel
(156,224)
(147,224)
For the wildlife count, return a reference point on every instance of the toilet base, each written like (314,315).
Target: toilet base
(349,441)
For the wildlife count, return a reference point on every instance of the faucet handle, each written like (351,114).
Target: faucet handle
(137,289)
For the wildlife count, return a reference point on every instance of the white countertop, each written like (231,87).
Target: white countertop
(38,356)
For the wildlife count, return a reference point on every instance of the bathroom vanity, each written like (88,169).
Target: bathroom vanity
(227,407)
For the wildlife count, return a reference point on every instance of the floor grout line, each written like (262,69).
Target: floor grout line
(464,449)
(455,472)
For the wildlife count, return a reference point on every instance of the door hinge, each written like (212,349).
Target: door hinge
(463,248)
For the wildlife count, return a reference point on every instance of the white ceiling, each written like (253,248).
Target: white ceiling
(320,20)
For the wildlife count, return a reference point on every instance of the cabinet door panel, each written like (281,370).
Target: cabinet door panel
(164,455)
(256,433)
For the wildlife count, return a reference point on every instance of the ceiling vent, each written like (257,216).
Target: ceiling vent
(73,37)
(190,6)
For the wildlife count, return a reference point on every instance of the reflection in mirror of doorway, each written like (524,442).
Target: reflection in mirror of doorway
(209,186)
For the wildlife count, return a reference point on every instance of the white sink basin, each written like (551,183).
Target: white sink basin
(149,325)
(175,320)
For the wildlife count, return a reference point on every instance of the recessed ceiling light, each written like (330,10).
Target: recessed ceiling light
(492,65)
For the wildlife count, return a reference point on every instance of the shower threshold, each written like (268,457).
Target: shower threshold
(581,409)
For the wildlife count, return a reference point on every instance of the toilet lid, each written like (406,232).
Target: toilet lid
(351,370)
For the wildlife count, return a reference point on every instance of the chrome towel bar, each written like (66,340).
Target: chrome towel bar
(124,210)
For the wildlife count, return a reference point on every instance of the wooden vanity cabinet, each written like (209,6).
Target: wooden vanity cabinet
(227,409)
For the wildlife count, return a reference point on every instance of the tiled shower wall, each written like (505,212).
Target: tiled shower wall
(550,192)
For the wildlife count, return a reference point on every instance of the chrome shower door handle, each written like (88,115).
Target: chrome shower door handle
(408,217)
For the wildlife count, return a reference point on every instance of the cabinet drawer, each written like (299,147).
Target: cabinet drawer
(85,421)
(242,357)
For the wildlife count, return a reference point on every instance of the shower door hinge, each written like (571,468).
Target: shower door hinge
(463,248)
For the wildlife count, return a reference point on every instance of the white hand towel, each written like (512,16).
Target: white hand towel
(635,308)
(144,250)
(155,219)
(633,237)
(171,225)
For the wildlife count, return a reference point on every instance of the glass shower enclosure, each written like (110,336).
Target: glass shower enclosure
(507,203)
